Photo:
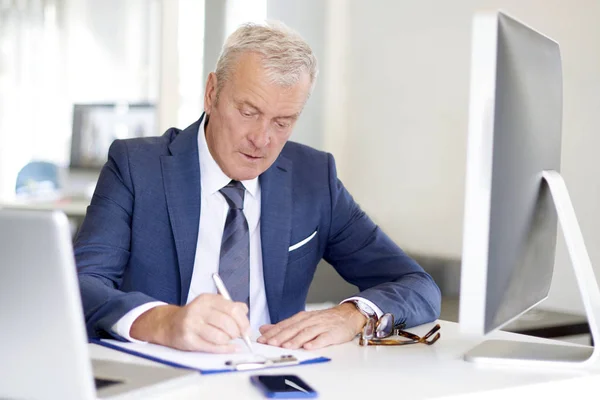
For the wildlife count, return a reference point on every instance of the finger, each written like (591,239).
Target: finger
(285,324)
(282,326)
(223,322)
(240,313)
(240,316)
(236,310)
(214,310)
(197,343)
(220,303)
(323,340)
(304,336)
(213,335)
(265,328)
(291,331)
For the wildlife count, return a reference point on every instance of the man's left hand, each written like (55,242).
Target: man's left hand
(315,329)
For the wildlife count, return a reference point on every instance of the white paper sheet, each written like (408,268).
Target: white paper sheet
(207,361)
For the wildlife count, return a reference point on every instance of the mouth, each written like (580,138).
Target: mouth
(251,157)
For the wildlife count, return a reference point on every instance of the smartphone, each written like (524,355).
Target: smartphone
(283,386)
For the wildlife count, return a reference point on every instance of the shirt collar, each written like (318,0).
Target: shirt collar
(212,178)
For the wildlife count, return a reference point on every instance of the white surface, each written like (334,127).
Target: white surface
(412,372)
(76,208)
(560,389)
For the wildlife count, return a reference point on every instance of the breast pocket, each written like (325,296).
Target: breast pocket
(303,247)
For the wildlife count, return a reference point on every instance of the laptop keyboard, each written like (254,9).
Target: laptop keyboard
(102,383)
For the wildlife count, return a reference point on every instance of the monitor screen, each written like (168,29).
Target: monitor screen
(96,126)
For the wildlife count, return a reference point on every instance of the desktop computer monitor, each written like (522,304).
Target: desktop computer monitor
(96,126)
(514,190)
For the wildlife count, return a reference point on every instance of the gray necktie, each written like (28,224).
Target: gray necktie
(234,261)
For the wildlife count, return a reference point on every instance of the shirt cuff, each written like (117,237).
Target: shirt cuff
(367,302)
(123,325)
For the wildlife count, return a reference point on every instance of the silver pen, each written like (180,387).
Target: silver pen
(225,293)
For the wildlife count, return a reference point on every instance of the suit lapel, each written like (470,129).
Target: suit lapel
(181,177)
(275,229)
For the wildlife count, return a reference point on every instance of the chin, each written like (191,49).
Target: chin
(245,174)
(246,171)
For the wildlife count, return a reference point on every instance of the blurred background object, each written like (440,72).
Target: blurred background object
(57,53)
(96,126)
(38,179)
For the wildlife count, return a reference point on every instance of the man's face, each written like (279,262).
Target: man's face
(252,120)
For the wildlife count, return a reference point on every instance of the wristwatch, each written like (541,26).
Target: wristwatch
(365,309)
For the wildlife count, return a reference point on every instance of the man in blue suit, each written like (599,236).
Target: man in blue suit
(230,194)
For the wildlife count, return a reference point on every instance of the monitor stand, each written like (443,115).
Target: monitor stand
(513,353)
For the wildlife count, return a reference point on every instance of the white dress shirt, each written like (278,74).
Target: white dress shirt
(213,213)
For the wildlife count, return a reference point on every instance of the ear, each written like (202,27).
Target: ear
(210,93)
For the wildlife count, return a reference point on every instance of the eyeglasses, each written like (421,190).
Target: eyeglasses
(382,332)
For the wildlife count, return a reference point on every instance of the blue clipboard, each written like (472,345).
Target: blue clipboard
(284,361)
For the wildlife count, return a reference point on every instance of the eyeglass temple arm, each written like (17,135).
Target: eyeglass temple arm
(409,335)
(432,331)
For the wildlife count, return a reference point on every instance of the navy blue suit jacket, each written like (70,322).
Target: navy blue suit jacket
(138,241)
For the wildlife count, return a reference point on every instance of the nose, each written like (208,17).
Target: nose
(260,135)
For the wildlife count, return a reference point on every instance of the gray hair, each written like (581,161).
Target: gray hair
(285,54)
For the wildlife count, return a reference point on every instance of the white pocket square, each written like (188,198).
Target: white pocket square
(303,242)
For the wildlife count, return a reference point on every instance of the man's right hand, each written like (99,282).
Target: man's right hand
(208,324)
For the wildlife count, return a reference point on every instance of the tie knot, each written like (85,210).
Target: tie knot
(234,194)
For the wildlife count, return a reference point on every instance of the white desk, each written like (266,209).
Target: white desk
(73,199)
(72,208)
(412,372)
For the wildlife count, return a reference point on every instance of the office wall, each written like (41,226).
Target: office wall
(394,111)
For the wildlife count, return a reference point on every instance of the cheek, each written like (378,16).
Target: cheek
(230,122)
(234,132)
(280,139)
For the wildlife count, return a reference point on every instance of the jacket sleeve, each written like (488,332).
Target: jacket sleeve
(366,257)
(102,247)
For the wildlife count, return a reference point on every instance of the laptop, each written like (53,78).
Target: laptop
(43,345)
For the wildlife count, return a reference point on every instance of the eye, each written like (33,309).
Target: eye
(246,113)
(282,125)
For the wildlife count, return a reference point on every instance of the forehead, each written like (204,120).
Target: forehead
(250,83)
